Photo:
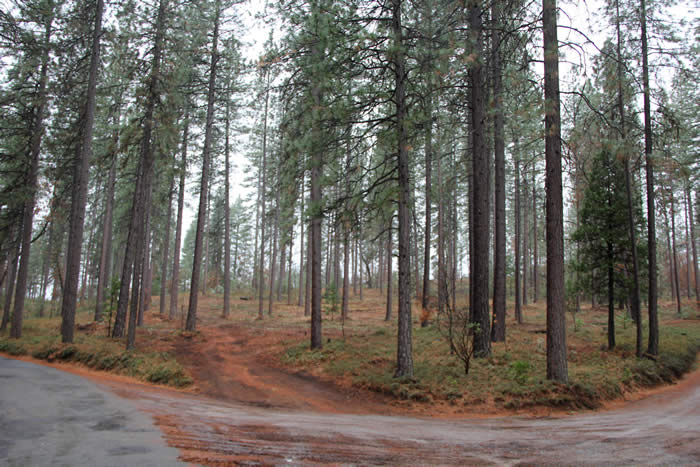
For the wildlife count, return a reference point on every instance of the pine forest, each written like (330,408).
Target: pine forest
(439,206)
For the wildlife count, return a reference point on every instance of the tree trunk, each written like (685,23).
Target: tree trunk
(301,300)
(676,280)
(80,186)
(263,168)
(166,247)
(480,316)
(389,271)
(204,281)
(404,351)
(36,131)
(103,281)
(273,258)
(634,302)
(441,275)
(191,323)
(671,271)
(289,266)
(359,258)
(687,251)
(144,301)
(518,308)
(611,299)
(315,202)
(10,287)
(283,263)
(227,207)
(525,234)
(695,251)
(133,254)
(346,275)
(556,321)
(428,204)
(175,281)
(535,290)
(498,331)
(309,273)
(653,346)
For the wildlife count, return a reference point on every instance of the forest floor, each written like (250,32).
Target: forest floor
(267,362)
(259,396)
(252,391)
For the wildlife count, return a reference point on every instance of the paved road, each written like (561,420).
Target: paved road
(52,418)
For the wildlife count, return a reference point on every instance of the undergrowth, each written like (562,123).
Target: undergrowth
(40,340)
(513,377)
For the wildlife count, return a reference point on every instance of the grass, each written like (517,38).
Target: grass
(91,348)
(513,377)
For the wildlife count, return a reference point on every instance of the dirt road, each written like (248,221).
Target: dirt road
(661,429)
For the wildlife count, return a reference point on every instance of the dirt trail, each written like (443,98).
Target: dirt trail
(661,429)
(229,363)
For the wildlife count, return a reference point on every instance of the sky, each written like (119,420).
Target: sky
(574,15)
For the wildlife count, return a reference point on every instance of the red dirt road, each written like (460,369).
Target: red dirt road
(250,412)
(661,429)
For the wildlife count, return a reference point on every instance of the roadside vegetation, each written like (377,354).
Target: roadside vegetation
(359,354)
(92,348)
(513,376)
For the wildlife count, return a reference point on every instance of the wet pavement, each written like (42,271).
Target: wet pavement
(50,417)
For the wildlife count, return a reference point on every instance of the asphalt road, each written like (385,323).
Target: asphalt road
(52,418)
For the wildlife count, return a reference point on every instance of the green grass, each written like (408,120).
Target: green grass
(41,340)
(513,377)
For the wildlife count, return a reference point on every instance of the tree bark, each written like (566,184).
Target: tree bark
(525,234)
(191,323)
(389,270)
(103,281)
(428,204)
(36,131)
(316,200)
(556,323)
(263,169)
(687,250)
(676,279)
(273,258)
(634,302)
(535,289)
(80,186)
(653,346)
(166,248)
(346,275)
(611,299)
(175,281)
(498,330)
(404,350)
(133,254)
(695,251)
(480,316)
(227,208)
(10,287)
(518,296)
(309,273)
(301,300)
